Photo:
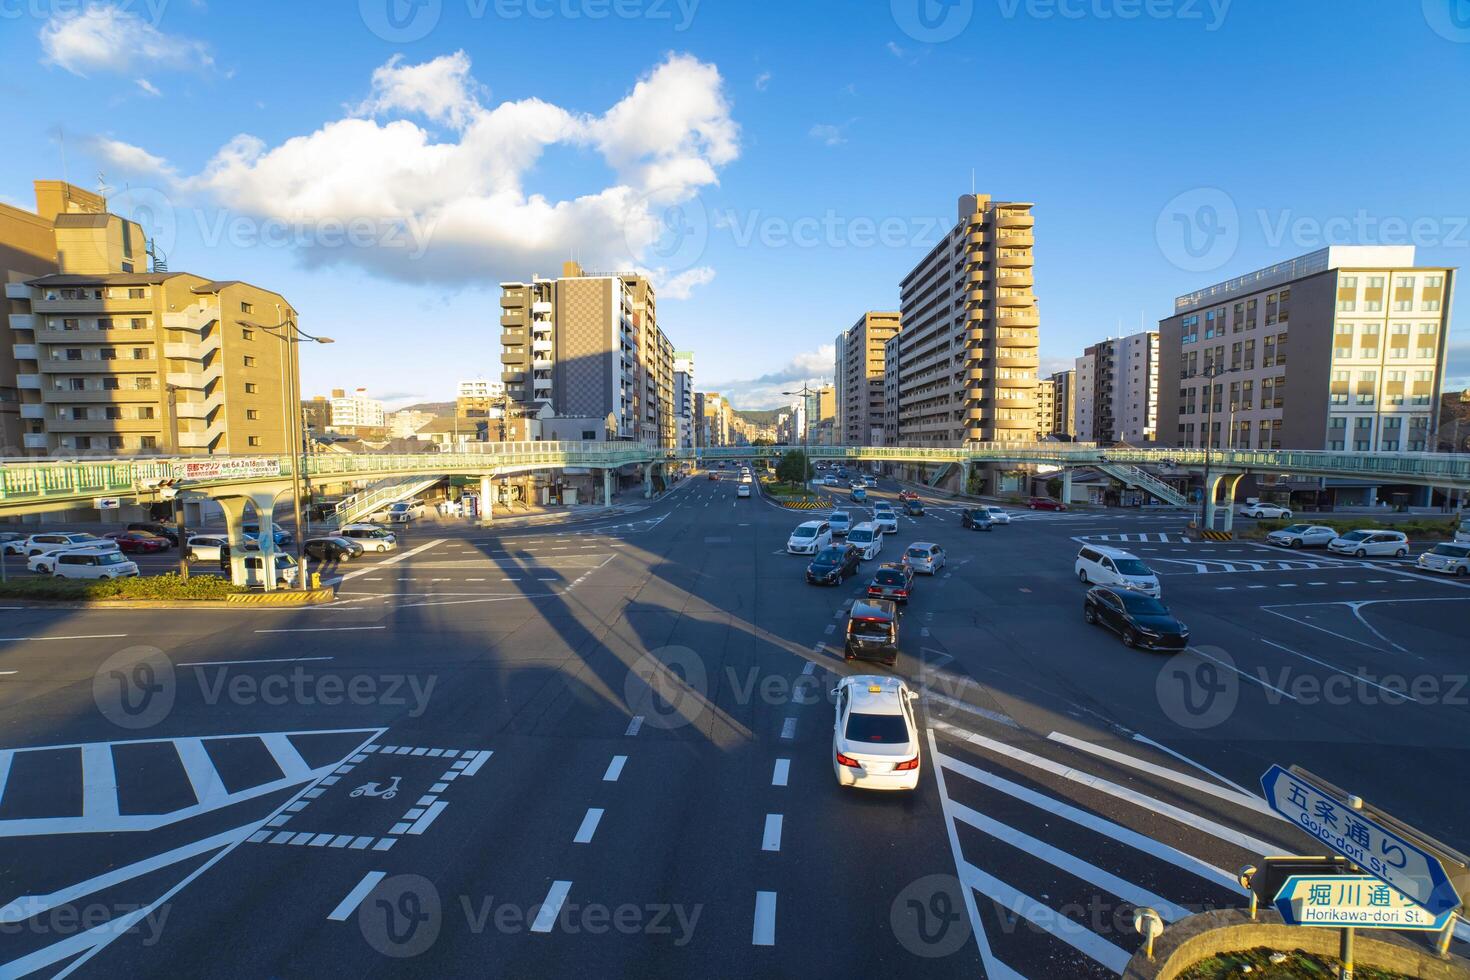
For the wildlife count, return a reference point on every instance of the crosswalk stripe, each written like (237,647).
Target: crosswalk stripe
(1183,779)
(1079,937)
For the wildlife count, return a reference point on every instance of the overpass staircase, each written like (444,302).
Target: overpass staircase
(366,502)
(1140,479)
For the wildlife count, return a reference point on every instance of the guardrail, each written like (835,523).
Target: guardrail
(29,481)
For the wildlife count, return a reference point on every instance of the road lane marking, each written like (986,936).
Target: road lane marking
(1198,785)
(589,826)
(1250,677)
(354,898)
(1338,670)
(325,629)
(94,636)
(788,729)
(781,772)
(635,723)
(614,769)
(763,933)
(771,838)
(551,907)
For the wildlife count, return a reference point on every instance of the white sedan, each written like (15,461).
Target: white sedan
(1271,511)
(1302,536)
(875,742)
(997,516)
(743,490)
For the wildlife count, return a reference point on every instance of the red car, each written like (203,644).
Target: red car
(138,541)
(1045,503)
(907,495)
(713,475)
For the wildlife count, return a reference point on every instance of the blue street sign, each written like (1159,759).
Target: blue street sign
(1374,848)
(1353,902)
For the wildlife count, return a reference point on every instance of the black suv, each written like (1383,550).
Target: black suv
(872,632)
(1141,620)
(976,519)
(833,564)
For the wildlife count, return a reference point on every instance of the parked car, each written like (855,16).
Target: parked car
(893,581)
(867,539)
(713,475)
(92,563)
(143,542)
(1045,503)
(875,740)
(1302,536)
(1361,544)
(872,632)
(976,519)
(809,538)
(282,536)
(1097,565)
(210,547)
(1447,559)
(332,548)
(907,495)
(371,537)
(832,565)
(1268,511)
(1142,621)
(40,544)
(840,521)
(743,490)
(924,556)
(12,542)
(166,531)
(913,508)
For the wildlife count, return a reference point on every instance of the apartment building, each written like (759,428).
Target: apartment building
(859,377)
(891,371)
(1117,390)
(1064,404)
(712,415)
(356,411)
(684,398)
(969,340)
(588,345)
(1046,407)
(820,408)
(112,357)
(1365,329)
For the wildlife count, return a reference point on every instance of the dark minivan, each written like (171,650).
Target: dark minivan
(872,632)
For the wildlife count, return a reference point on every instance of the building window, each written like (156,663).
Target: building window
(143,384)
(1388,439)
(137,293)
(148,442)
(1247,394)
(1428,341)
(252,440)
(114,442)
(145,412)
(73,353)
(247,307)
(78,414)
(108,353)
(252,415)
(1340,387)
(142,354)
(1367,387)
(249,361)
(139,323)
(250,388)
(109,384)
(247,334)
(1403,293)
(112,412)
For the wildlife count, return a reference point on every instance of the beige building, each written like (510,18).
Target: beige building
(1339,349)
(891,372)
(109,357)
(1046,407)
(859,378)
(1064,404)
(969,340)
(589,345)
(712,419)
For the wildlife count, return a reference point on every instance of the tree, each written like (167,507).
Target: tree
(793,468)
(763,441)
(1054,487)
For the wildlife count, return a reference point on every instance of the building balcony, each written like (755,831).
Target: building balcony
(977,335)
(976,374)
(104,426)
(976,277)
(512,338)
(19,290)
(513,298)
(513,377)
(25,352)
(33,411)
(201,440)
(195,380)
(517,320)
(57,365)
(114,336)
(34,440)
(1022,318)
(1014,423)
(1008,358)
(1015,278)
(192,350)
(195,319)
(1015,382)
(517,357)
(1015,299)
(975,238)
(23,321)
(1015,239)
(541,308)
(198,410)
(1014,261)
(978,296)
(1013,219)
(541,346)
(100,396)
(540,365)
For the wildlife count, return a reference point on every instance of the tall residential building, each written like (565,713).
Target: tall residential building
(1118,390)
(1064,404)
(588,345)
(891,371)
(1046,407)
(820,406)
(712,419)
(969,337)
(1366,329)
(356,411)
(112,357)
(859,378)
(684,398)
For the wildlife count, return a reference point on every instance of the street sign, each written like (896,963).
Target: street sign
(222,469)
(109,503)
(1373,847)
(1266,882)
(1351,902)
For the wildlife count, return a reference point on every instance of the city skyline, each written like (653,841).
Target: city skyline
(765,165)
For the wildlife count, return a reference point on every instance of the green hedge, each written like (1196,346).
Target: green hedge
(169,586)
(1422,528)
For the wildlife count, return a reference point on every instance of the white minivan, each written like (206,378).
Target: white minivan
(1097,565)
(809,538)
(867,539)
(1361,544)
(286,569)
(95,564)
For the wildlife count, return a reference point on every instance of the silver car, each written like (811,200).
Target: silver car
(924,556)
(1302,536)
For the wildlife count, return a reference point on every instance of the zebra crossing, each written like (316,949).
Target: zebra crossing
(1219,566)
(1056,840)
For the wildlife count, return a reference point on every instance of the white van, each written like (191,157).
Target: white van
(867,539)
(371,537)
(1097,565)
(93,564)
(809,538)
(286,569)
(1361,544)
(1447,559)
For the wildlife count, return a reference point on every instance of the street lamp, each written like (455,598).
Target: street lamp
(1207,505)
(289,334)
(806,391)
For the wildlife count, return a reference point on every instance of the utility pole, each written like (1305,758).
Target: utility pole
(806,391)
(1207,505)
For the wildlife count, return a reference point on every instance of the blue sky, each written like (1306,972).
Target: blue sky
(776,167)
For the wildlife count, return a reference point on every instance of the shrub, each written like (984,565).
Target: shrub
(170,586)
(1422,528)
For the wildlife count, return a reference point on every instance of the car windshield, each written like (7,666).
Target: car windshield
(80,538)
(881,729)
(870,627)
(111,558)
(829,556)
(1143,605)
(1294,529)
(917,553)
(1355,535)
(860,537)
(1451,550)
(804,532)
(1131,566)
(838,517)
(889,577)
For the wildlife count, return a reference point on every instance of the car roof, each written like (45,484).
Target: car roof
(869,525)
(838,513)
(873,694)
(1103,549)
(874,609)
(921,544)
(813,524)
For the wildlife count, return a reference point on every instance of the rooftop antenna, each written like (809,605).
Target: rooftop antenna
(61,139)
(102,188)
(972,181)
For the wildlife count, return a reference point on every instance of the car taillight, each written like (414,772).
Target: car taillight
(907,766)
(844,760)
(901,593)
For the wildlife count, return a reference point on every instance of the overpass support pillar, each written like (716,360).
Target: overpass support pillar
(607,487)
(965,477)
(265,514)
(234,508)
(1232,482)
(1212,492)
(1067,485)
(487,499)
(647,480)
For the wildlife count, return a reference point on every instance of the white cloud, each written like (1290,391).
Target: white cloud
(458,209)
(768,390)
(895,50)
(148,87)
(762,81)
(827,134)
(110,38)
(132,159)
(680,285)
(441,90)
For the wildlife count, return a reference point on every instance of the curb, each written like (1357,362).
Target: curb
(291,599)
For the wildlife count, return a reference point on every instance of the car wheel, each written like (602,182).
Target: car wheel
(1296,542)
(1032,506)
(1286,514)
(1089,615)
(1360,553)
(1401,553)
(1130,639)
(1082,575)
(1462,571)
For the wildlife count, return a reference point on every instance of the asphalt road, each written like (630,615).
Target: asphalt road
(605,748)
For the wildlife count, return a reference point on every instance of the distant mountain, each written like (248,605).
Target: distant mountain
(433,408)
(759,416)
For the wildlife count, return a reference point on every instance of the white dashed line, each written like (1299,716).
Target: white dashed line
(763,933)
(614,769)
(634,724)
(771,839)
(781,772)
(589,826)
(788,729)
(551,907)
